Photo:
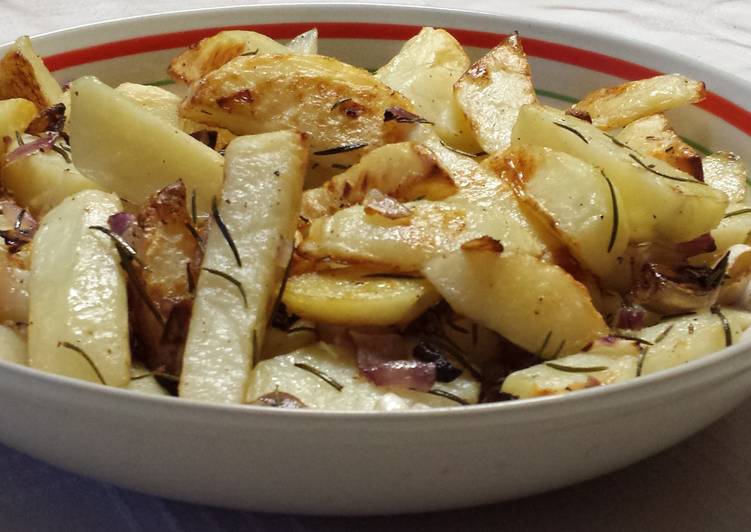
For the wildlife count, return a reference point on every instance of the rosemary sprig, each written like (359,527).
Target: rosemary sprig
(120,243)
(193,209)
(575,369)
(160,374)
(127,257)
(725,325)
(341,149)
(632,338)
(191,279)
(194,233)
(225,231)
(663,334)
(461,152)
(560,348)
(735,213)
(614,230)
(447,395)
(545,343)
(60,151)
(666,176)
(19,139)
(340,102)
(320,374)
(87,358)
(253,52)
(228,277)
(640,363)
(282,288)
(618,142)
(572,130)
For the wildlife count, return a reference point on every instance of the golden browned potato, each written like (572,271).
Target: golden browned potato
(579,204)
(425,70)
(652,135)
(212,52)
(613,107)
(15,116)
(342,107)
(345,297)
(405,171)
(24,75)
(660,202)
(493,89)
(534,304)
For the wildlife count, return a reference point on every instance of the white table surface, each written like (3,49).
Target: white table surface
(703,484)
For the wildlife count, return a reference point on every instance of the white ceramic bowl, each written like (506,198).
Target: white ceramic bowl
(357,463)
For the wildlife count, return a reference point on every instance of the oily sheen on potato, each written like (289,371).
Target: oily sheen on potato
(78,320)
(242,268)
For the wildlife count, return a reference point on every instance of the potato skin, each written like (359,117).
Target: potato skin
(337,104)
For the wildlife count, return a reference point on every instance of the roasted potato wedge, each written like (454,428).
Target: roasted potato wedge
(659,201)
(106,129)
(652,135)
(578,202)
(23,75)
(614,107)
(280,374)
(341,107)
(425,70)
(727,172)
(570,373)
(165,104)
(15,116)
(493,89)
(519,297)
(683,339)
(304,44)
(12,346)
(405,171)
(212,52)
(733,229)
(78,318)
(42,180)
(241,267)
(344,297)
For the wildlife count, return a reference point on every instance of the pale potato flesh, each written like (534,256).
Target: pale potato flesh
(591,369)
(735,228)
(405,171)
(535,305)
(357,393)
(493,89)
(24,75)
(652,135)
(12,346)
(613,107)
(166,105)
(280,342)
(350,298)
(42,180)
(673,206)
(259,206)
(727,172)
(212,52)
(341,106)
(77,293)
(106,129)
(575,198)
(683,339)
(425,70)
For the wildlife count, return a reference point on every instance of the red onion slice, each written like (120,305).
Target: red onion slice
(43,143)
